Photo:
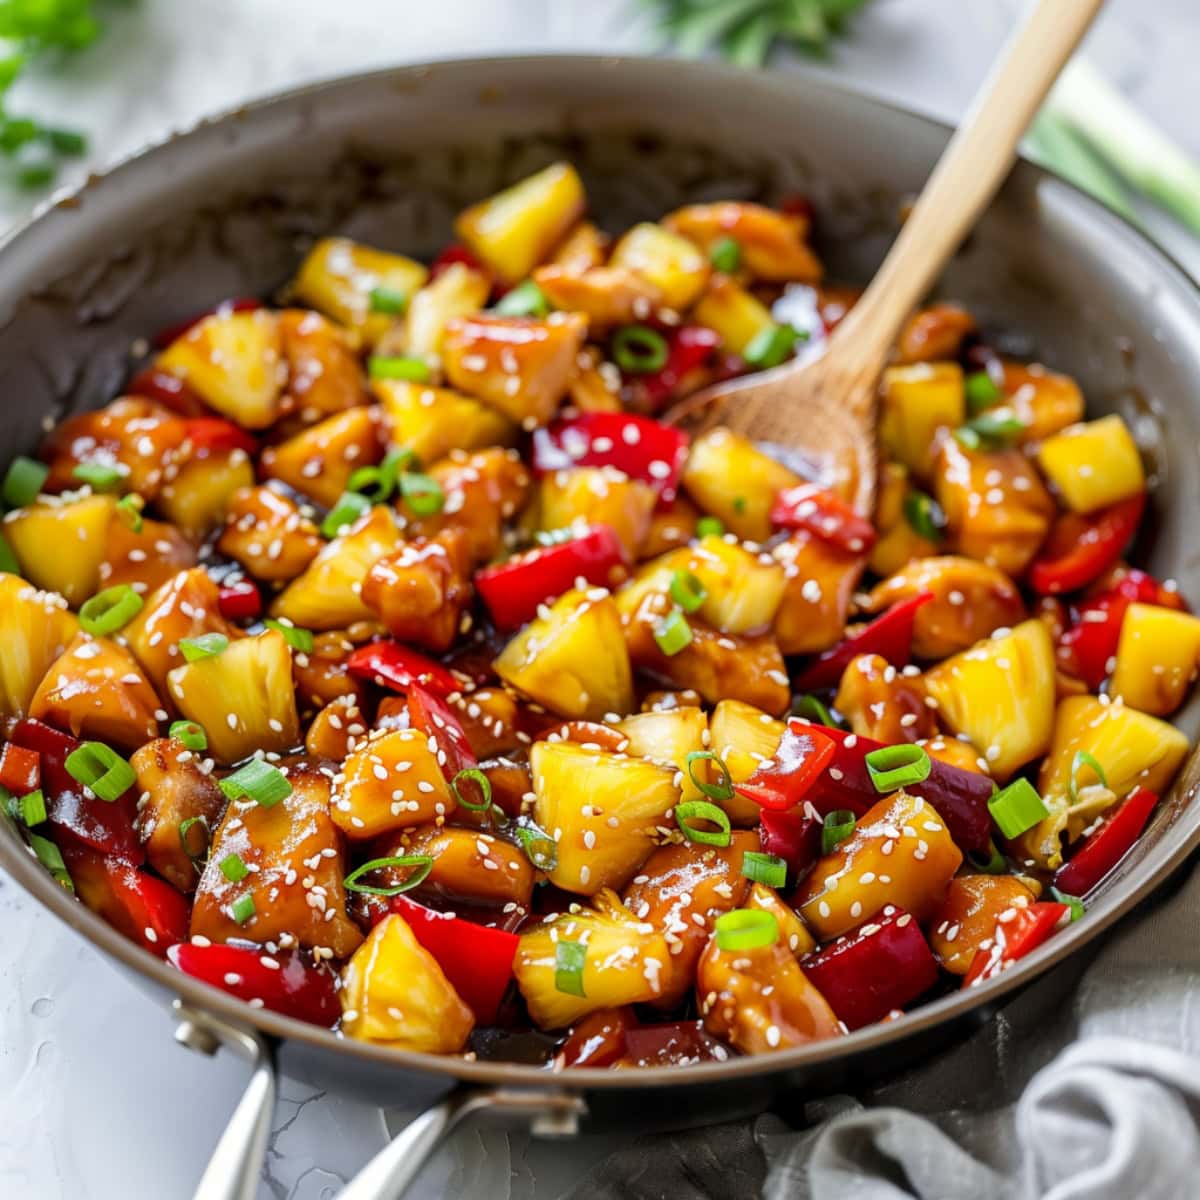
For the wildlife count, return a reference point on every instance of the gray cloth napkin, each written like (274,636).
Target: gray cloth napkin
(1086,1087)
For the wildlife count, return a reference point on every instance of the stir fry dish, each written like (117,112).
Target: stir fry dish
(385,660)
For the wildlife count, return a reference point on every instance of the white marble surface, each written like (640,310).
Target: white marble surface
(96,1102)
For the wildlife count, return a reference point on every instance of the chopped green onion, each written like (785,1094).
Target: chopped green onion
(259,781)
(8,560)
(423,494)
(412,370)
(768,869)
(1072,902)
(185,827)
(687,591)
(110,610)
(981,391)
(739,504)
(701,810)
(101,477)
(725,254)
(1084,759)
(836,828)
(423,864)
(49,855)
(924,515)
(233,868)
(70,142)
(994,864)
(207,645)
(299,639)
(1017,808)
(129,509)
(100,769)
(991,430)
(390,301)
(721,790)
(673,633)
(33,808)
(639,350)
(892,767)
(771,346)
(746,929)
(811,708)
(378,483)
(540,848)
(10,803)
(569,959)
(242,909)
(349,508)
(710,527)
(481,781)
(36,175)
(23,481)
(525,300)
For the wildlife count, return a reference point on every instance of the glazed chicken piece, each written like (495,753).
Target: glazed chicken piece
(883,703)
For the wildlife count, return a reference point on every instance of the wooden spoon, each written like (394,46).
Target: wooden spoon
(822,410)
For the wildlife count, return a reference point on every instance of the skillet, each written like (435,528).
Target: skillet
(389,157)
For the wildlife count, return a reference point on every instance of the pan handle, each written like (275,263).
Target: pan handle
(235,1166)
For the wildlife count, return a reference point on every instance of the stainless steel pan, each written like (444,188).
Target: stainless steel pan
(228,208)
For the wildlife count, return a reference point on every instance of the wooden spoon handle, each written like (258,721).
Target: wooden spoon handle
(969,173)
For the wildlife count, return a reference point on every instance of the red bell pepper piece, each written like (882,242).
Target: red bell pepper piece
(293,987)
(672,1044)
(804,752)
(105,827)
(824,514)
(476,960)
(513,590)
(215,435)
(168,390)
(643,448)
(456,252)
(598,1040)
(389,664)
(1082,547)
(240,601)
(427,713)
(20,769)
(793,836)
(879,967)
(889,635)
(959,796)
(1106,845)
(1014,939)
(689,348)
(159,913)
(164,337)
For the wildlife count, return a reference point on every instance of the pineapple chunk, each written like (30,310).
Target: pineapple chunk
(37,629)
(395,994)
(470,865)
(243,697)
(319,460)
(293,882)
(1094,464)
(793,933)
(668,736)
(742,736)
(433,421)
(266,532)
(733,313)
(95,691)
(623,962)
(60,544)
(390,781)
(329,593)
(580,793)
(517,228)
(339,275)
(934,333)
(198,497)
(672,263)
(728,476)
(234,362)
(173,790)
(597,496)
(901,840)
(186,606)
(772,243)
(607,296)
(457,292)
(518,365)
(898,542)
(573,659)
(324,374)
(819,583)
(919,400)
(1000,694)
(1156,658)
(147,559)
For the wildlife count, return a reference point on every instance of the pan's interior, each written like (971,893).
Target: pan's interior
(390,158)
